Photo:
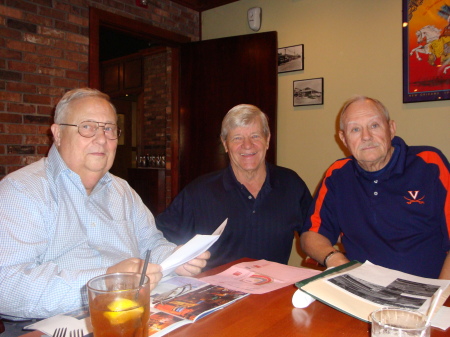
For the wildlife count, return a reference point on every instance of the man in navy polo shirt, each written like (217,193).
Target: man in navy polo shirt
(264,203)
(389,203)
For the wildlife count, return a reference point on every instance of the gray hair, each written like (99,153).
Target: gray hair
(357,98)
(243,115)
(62,108)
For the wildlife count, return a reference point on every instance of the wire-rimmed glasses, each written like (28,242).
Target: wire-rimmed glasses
(88,129)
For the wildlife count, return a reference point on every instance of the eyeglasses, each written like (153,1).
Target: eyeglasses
(88,129)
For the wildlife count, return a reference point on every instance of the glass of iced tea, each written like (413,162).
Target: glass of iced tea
(118,307)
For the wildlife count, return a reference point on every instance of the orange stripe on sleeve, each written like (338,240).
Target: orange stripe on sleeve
(431,157)
(315,217)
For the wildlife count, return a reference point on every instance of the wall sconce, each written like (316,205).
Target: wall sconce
(254,18)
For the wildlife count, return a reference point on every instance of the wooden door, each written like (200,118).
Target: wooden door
(216,75)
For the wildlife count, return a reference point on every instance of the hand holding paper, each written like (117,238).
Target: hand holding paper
(191,249)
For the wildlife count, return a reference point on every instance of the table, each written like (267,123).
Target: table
(272,314)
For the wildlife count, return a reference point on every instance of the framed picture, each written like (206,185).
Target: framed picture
(290,58)
(426,50)
(308,92)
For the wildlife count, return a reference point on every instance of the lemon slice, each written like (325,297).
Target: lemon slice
(119,313)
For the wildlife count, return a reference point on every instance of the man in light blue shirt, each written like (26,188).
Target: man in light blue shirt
(66,219)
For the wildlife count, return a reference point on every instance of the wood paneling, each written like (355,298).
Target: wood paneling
(215,76)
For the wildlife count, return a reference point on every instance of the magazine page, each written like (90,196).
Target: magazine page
(368,287)
(200,302)
(161,323)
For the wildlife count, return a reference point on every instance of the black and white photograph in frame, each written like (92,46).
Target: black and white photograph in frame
(290,58)
(308,92)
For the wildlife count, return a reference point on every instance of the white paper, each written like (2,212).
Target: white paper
(49,325)
(191,249)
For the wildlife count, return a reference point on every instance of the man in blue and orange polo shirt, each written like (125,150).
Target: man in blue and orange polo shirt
(388,202)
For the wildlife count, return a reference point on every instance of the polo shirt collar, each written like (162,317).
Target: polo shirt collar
(230,181)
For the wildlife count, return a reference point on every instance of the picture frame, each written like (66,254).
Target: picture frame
(308,92)
(291,58)
(426,63)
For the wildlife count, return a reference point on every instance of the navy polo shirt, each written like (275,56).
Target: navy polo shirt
(397,218)
(261,228)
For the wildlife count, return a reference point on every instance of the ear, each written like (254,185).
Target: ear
(342,137)
(392,128)
(224,143)
(56,131)
(268,141)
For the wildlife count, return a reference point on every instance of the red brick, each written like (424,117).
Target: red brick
(37,140)
(38,19)
(21,87)
(51,91)
(65,63)
(51,71)
(22,108)
(10,54)
(38,99)
(51,13)
(22,5)
(44,130)
(66,26)
(77,38)
(10,96)
(37,59)
(10,33)
(38,120)
(22,46)
(66,45)
(46,110)
(10,118)
(23,67)
(22,129)
(38,79)
(10,160)
(37,39)
(78,20)
(51,32)
(49,51)
(43,150)
(66,83)
(10,12)
(79,57)
(77,75)
(10,139)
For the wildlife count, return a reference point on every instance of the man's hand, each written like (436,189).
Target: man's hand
(194,266)
(135,265)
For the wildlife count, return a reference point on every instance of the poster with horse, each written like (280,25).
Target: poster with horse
(426,50)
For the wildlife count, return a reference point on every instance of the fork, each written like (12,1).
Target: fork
(76,333)
(60,332)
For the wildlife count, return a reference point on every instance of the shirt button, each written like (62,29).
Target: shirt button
(249,196)
(93,224)
(375,193)
(254,212)
(375,181)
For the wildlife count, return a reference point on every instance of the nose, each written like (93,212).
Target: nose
(100,136)
(247,142)
(366,134)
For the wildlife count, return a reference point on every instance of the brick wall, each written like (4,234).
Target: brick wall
(44,52)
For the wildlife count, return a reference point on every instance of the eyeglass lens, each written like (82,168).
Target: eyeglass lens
(89,129)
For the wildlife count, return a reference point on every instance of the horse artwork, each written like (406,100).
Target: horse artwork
(426,51)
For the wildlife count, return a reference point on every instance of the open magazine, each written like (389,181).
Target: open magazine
(180,300)
(358,289)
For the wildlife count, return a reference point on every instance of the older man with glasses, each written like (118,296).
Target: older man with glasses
(66,219)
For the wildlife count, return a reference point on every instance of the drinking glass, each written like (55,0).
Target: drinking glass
(118,307)
(398,322)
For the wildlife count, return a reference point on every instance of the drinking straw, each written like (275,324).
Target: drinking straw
(144,269)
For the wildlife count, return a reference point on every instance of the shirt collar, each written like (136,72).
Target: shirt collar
(230,181)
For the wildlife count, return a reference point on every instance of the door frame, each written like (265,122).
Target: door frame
(100,18)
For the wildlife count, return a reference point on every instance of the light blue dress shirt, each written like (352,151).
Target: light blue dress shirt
(54,237)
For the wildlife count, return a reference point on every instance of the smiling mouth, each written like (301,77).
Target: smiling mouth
(248,154)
